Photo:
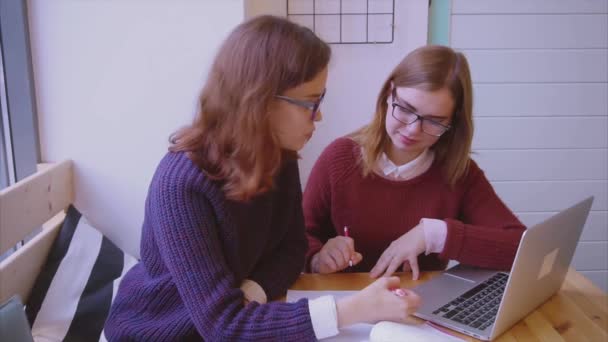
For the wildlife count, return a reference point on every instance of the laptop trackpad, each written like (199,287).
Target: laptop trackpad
(440,291)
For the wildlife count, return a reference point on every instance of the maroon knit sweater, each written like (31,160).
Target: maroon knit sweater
(482,231)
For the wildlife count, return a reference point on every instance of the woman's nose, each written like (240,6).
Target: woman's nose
(318,116)
(414,127)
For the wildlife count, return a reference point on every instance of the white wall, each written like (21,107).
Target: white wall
(114,79)
(356,73)
(540,72)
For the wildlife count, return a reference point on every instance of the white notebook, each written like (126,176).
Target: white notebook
(380,332)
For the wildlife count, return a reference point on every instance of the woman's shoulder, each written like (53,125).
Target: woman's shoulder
(177,166)
(343,148)
(177,173)
(340,158)
(472,173)
(343,143)
(473,169)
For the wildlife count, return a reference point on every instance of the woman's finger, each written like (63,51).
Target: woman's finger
(393,266)
(346,250)
(414,265)
(357,257)
(338,257)
(381,264)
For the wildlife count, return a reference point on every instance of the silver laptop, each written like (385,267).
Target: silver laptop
(484,303)
(13,322)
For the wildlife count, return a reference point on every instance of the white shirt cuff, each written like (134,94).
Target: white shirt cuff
(324,316)
(435,233)
(253,291)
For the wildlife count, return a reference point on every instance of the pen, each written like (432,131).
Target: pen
(350,262)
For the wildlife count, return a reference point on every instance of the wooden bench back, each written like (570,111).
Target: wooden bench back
(35,203)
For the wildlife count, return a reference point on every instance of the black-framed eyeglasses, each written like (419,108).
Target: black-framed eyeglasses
(408,117)
(313,106)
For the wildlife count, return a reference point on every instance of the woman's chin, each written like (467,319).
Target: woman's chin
(294,147)
(407,148)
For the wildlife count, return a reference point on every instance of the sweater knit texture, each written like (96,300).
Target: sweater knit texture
(481,230)
(197,247)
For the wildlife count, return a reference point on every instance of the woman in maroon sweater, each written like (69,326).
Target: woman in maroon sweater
(405,185)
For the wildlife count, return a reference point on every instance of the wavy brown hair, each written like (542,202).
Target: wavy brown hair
(230,137)
(428,68)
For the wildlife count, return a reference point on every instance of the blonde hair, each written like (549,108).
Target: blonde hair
(428,68)
(230,138)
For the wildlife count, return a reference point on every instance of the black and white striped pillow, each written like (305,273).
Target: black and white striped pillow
(73,292)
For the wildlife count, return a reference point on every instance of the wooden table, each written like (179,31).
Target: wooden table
(578,312)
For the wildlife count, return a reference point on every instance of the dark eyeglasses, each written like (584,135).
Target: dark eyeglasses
(312,106)
(407,117)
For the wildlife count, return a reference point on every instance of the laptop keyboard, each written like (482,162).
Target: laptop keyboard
(477,307)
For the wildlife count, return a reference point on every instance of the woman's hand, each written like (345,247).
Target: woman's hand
(383,300)
(335,255)
(403,251)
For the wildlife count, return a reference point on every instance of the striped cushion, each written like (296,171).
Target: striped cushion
(73,293)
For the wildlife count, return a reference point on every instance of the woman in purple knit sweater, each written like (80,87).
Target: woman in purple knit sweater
(223,231)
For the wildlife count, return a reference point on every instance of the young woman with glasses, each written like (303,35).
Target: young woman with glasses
(405,185)
(223,232)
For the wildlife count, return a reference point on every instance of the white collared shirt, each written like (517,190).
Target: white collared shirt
(409,170)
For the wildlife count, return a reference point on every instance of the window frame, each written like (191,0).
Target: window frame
(19,140)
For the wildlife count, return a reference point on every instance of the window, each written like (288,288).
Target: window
(19,146)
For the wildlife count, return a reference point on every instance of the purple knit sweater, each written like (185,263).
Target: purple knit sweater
(196,249)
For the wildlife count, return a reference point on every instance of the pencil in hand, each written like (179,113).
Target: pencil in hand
(350,261)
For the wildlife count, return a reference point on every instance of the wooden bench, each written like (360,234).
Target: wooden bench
(34,205)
